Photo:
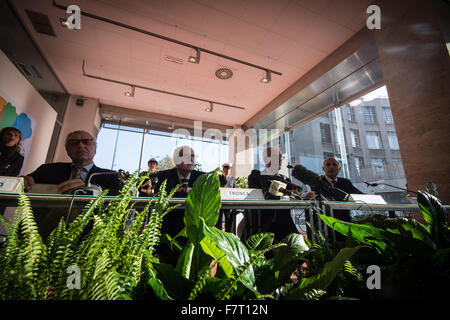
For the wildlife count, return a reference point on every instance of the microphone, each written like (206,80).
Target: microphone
(306,176)
(389,185)
(278,189)
(93,189)
(314,180)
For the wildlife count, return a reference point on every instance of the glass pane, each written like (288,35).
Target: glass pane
(128,151)
(369,151)
(373,140)
(106,142)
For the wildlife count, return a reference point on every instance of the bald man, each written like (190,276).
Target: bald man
(331,167)
(277,221)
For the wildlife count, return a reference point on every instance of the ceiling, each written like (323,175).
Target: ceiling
(288,36)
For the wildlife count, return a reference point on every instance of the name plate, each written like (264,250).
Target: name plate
(367,198)
(11,184)
(241,194)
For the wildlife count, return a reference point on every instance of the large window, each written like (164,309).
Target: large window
(351,113)
(325,132)
(373,140)
(369,114)
(364,156)
(129,149)
(393,143)
(354,134)
(387,114)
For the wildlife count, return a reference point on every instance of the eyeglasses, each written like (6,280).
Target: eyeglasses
(153,161)
(226,167)
(75,142)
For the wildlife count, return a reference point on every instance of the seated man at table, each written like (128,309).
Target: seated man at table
(183,174)
(280,221)
(70,176)
(331,168)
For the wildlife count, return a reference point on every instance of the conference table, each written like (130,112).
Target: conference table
(303,206)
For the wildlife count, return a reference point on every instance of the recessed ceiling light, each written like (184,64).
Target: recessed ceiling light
(224,73)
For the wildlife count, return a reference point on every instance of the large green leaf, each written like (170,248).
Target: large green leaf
(324,278)
(260,241)
(158,289)
(285,259)
(185,261)
(175,284)
(203,201)
(378,238)
(230,251)
(436,217)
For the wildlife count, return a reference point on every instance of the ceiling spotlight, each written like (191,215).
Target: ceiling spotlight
(195,59)
(130,94)
(267,78)
(172,127)
(210,108)
(63,22)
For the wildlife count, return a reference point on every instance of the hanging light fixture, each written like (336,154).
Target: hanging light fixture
(267,77)
(210,108)
(195,59)
(130,94)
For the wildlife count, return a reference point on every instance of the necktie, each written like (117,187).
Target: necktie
(333,183)
(186,181)
(76,172)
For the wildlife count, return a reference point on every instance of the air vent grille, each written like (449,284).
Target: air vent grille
(41,23)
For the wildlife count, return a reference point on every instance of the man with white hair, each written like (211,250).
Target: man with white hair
(280,221)
(81,147)
(226,180)
(183,173)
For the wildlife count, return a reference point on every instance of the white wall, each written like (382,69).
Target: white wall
(22,94)
(84,117)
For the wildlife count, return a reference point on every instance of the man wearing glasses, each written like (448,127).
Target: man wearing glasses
(183,174)
(68,177)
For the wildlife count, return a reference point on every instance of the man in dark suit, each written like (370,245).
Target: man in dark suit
(81,148)
(280,221)
(183,174)
(68,177)
(331,168)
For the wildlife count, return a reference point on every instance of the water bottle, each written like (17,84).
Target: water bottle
(432,189)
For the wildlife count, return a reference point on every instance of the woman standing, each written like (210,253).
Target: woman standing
(11,160)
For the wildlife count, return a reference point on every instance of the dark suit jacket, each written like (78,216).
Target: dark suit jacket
(261,181)
(11,162)
(277,221)
(345,185)
(229,182)
(55,173)
(172,180)
(341,183)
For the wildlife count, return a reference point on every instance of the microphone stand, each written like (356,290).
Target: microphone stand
(389,185)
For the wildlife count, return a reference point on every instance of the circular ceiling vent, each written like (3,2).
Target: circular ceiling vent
(224,73)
